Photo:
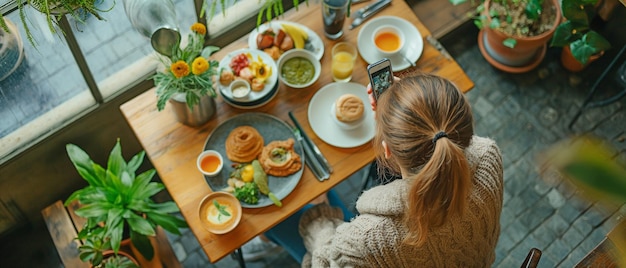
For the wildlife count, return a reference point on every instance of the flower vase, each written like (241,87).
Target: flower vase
(198,115)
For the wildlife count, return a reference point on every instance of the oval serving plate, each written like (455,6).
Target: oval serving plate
(313,44)
(254,95)
(271,128)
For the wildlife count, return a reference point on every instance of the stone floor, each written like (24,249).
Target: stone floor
(524,114)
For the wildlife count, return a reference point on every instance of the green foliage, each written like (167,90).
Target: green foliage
(248,193)
(590,165)
(575,31)
(269,9)
(54,10)
(116,198)
(494,19)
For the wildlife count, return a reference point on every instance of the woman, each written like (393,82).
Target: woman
(445,210)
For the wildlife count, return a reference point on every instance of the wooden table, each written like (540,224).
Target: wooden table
(173,147)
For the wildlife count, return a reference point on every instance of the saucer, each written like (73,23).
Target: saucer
(413,43)
(271,82)
(320,117)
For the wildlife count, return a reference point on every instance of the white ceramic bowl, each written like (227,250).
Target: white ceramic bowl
(388,29)
(204,156)
(239,89)
(294,53)
(345,125)
(220,224)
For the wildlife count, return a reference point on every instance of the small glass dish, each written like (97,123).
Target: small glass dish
(210,162)
(240,89)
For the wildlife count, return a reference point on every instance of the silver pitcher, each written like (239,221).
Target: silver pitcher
(155,19)
(198,115)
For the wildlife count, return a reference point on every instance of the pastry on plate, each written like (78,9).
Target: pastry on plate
(243,144)
(349,108)
(278,158)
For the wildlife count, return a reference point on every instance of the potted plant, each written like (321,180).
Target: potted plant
(54,10)
(581,45)
(116,200)
(188,80)
(514,33)
(96,249)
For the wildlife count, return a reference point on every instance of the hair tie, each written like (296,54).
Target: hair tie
(439,135)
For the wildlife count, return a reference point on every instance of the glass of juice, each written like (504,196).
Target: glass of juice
(333,15)
(344,56)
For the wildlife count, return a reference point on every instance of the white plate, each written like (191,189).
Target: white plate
(254,95)
(313,44)
(413,45)
(324,125)
(253,106)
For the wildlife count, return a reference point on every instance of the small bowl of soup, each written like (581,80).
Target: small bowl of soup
(220,212)
(388,40)
(298,68)
(210,162)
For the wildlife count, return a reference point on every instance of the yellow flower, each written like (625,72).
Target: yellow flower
(199,66)
(180,69)
(199,28)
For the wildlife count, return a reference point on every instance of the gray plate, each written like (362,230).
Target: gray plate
(271,128)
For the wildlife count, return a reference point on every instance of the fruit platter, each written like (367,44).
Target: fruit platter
(277,37)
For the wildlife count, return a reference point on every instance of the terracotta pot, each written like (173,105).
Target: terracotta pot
(527,53)
(110,253)
(571,64)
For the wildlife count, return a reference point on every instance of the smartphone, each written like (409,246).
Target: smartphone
(381,76)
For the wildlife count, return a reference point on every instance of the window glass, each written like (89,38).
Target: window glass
(46,78)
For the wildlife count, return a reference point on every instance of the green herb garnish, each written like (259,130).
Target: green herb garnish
(221,209)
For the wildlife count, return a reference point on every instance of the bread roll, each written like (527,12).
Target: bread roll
(349,108)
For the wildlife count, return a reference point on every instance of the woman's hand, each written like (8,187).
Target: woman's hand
(370,94)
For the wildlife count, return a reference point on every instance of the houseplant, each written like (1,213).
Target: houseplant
(116,200)
(53,10)
(595,170)
(514,33)
(96,249)
(579,41)
(188,79)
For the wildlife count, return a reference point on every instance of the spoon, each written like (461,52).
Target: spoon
(407,60)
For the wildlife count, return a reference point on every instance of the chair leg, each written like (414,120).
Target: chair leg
(532,259)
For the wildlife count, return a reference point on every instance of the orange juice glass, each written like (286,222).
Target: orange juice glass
(344,56)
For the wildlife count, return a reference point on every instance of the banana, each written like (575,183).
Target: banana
(298,34)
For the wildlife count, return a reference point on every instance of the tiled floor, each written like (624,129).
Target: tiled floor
(524,114)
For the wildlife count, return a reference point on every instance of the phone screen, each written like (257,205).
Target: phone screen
(381,76)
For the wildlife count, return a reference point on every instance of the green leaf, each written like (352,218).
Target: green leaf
(596,41)
(495,23)
(142,243)
(457,2)
(575,12)
(83,164)
(115,233)
(140,225)
(533,9)
(509,42)
(165,207)
(135,162)
(168,222)
(116,163)
(563,35)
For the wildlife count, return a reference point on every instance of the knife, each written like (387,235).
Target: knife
(310,160)
(365,13)
(320,157)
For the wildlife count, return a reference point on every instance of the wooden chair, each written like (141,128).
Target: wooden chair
(64,225)
(532,259)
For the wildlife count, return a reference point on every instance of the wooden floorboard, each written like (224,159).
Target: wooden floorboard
(440,16)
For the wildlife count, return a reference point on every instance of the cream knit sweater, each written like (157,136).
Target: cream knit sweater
(374,238)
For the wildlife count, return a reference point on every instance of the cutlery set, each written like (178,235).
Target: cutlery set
(365,13)
(314,158)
